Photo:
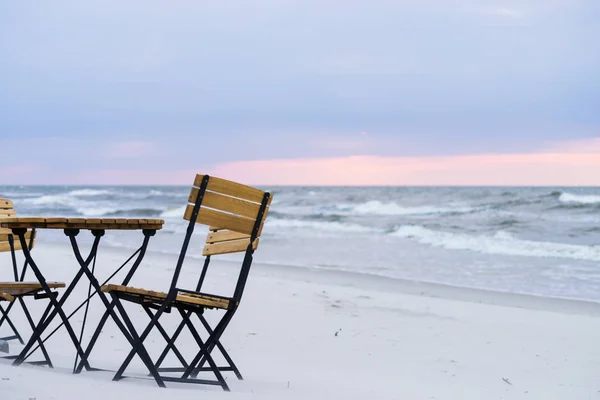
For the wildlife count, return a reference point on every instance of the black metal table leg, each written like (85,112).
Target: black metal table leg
(96,285)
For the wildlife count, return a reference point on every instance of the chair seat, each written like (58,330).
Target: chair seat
(150,296)
(6,297)
(24,288)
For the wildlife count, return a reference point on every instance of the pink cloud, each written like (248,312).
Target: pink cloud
(577,146)
(131,177)
(14,174)
(502,169)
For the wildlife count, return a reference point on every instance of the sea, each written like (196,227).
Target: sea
(543,241)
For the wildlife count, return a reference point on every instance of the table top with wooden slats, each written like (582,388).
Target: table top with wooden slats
(82,223)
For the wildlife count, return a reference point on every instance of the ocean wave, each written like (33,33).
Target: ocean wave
(162,193)
(88,192)
(134,212)
(376,207)
(324,217)
(510,222)
(173,212)
(501,243)
(49,199)
(580,199)
(96,212)
(330,226)
(12,195)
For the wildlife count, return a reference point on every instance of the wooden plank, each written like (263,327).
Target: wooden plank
(223,236)
(56,220)
(4,213)
(6,297)
(231,188)
(211,217)
(6,204)
(76,220)
(5,246)
(232,246)
(30,285)
(81,223)
(226,203)
(19,288)
(190,298)
(4,236)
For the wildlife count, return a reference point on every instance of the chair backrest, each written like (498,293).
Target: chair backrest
(7,211)
(235,214)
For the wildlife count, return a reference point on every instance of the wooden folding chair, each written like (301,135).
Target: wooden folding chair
(235,214)
(13,292)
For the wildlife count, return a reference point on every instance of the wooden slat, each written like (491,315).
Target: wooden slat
(6,204)
(20,288)
(5,246)
(4,236)
(232,246)
(82,223)
(29,285)
(7,213)
(7,297)
(210,217)
(189,298)
(223,236)
(226,203)
(231,188)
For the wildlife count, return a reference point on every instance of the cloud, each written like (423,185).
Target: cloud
(15,174)
(492,169)
(585,146)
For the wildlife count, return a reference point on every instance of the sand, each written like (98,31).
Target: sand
(309,334)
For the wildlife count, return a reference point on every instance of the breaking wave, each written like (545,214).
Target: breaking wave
(376,207)
(581,199)
(501,243)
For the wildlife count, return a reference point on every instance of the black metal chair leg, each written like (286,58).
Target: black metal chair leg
(12,326)
(209,344)
(170,344)
(138,347)
(215,339)
(224,352)
(56,304)
(32,324)
(204,349)
(165,335)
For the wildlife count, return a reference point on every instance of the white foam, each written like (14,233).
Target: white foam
(316,225)
(95,212)
(375,207)
(88,192)
(168,194)
(51,199)
(579,198)
(174,212)
(501,243)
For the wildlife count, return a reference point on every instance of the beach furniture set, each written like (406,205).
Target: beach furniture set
(235,215)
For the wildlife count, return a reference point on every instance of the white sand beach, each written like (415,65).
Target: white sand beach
(310,334)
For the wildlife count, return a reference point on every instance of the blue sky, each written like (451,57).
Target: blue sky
(265,79)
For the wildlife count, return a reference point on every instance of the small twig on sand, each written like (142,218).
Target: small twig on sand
(338,332)
(506,381)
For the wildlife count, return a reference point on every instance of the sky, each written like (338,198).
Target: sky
(311,92)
